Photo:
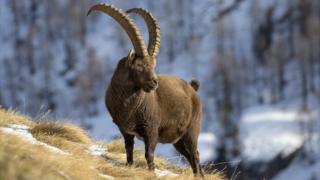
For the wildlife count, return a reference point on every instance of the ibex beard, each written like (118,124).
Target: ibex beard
(154,108)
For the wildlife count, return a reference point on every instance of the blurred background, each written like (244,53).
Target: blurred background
(258,63)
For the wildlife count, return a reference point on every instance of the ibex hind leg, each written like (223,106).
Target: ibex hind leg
(181,148)
(129,145)
(187,146)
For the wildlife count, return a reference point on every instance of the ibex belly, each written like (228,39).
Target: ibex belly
(175,122)
(173,130)
(169,135)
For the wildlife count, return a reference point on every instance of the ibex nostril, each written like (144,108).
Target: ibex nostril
(155,82)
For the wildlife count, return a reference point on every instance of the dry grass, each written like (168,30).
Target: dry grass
(11,117)
(64,136)
(21,160)
(65,131)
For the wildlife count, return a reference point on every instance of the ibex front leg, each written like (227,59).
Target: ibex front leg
(150,141)
(129,144)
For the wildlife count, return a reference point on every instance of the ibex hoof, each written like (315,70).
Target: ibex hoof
(129,163)
(151,167)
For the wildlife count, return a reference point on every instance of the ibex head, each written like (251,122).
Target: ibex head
(142,70)
(140,62)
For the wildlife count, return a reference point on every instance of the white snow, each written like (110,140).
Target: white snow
(104,176)
(259,115)
(300,170)
(162,173)
(97,150)
(19,127)
(23,132)
(207,143)
(268,131)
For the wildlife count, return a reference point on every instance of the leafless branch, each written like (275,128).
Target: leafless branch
(228,9)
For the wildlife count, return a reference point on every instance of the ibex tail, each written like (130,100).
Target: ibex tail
(195,84)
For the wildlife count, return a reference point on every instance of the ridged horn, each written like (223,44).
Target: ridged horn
(153,29)
(126,23)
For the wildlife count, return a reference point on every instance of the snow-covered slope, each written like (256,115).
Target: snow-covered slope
(268,131)
(301,169)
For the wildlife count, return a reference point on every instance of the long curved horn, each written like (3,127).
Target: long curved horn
(153,29)
(126,23)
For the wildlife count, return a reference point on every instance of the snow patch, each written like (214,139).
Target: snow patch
(270,115)
(104,176)
(266,132)
(19,127)
(24,133)
(300,170)
(207,143)
(162,173)
(97,150)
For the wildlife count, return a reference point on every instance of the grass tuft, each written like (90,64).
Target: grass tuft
(68,132)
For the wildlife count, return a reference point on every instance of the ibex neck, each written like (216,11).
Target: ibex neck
(123,101)
(124,98)
(122,91)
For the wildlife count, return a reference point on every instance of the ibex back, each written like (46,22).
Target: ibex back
(154,108)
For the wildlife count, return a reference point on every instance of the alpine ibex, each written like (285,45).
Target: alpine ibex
(154,108)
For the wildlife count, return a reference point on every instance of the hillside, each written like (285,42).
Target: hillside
(49,150)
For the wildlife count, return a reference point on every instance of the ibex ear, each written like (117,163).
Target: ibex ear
(131,56)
